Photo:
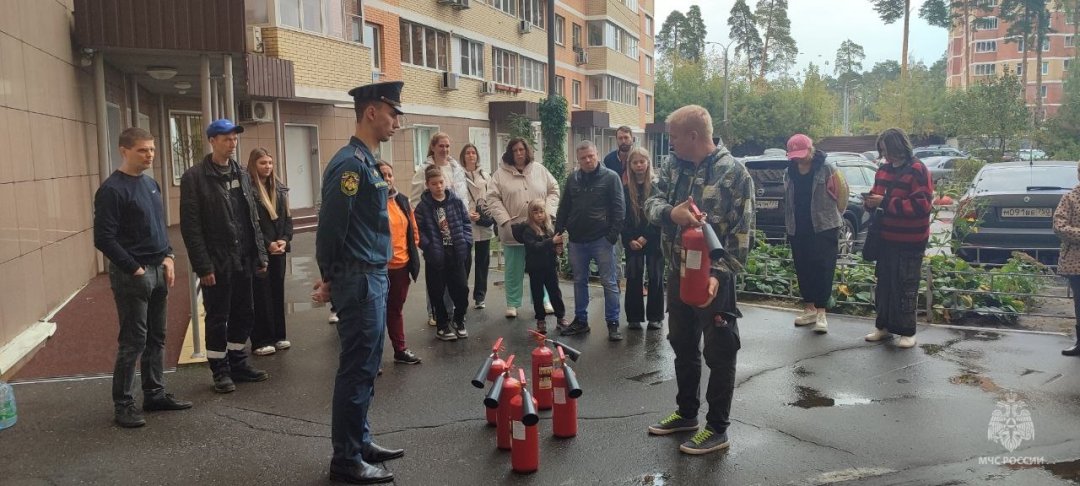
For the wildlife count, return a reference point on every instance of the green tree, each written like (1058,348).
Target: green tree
(778,48)
(991,113)
(1062,136)
(743,31)
(849,59)
(671,35)
(553,122)
(1030,21)
(933,11)
(692,45)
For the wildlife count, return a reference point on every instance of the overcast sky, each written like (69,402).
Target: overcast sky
(819,26)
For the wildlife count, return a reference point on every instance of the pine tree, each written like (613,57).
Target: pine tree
(848,59)
(692,43)
(670,36)
(778,49)
(743,31)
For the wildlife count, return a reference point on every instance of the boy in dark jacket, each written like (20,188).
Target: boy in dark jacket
(446,240)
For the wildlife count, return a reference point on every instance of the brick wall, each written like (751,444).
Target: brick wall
(318,61)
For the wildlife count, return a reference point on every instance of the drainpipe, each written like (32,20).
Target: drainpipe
(166,156)
(215,100)
(230,105)
(134,84)
(101,117)
(204,85)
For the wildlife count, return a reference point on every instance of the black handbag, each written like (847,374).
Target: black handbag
(871,249)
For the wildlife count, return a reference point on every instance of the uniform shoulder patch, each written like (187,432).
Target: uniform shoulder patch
(350,183)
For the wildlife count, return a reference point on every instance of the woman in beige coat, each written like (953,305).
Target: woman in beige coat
(1067,227)
(517,181)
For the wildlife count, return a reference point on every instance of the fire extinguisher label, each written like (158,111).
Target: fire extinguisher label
(518,430)
(545,377)
(693,259)
(560,396)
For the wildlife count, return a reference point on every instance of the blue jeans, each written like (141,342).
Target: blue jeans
(360,300)
(604,254)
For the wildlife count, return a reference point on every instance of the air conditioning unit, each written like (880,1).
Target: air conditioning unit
(524,27)
(444,2)
(256,111)
(580,56)
(449,81)
(254,39)
(487,88)
(460,4)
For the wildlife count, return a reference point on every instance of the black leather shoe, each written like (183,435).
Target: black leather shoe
(576,327)
(1073,351)
(373,452)
(249,375)
(168,402)
(129,417)
(362,473)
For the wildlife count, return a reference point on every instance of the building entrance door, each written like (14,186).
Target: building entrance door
(301,165)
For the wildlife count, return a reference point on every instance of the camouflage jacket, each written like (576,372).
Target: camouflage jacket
(722,188)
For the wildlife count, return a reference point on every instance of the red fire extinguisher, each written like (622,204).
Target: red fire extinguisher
(490,371)
(566,391)
(525,438)
(700,248)
(542,360)
(505,388)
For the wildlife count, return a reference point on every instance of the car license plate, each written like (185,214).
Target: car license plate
(767,204)
(1027,212)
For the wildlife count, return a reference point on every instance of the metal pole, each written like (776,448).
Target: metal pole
(230,105)
(215,99)
(101,117)
(846,130)
(166,155)
(204,85)
(135,102)
(550,14)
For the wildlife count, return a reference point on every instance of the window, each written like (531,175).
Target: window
(603,87)
(532,74)
(354,18)
(311,15)
(421,137)
(504,66)
(1020,45)
(648,26)
(1019,69)
(533,12)
(1042,91)
(596,87)
(256,12)
(986,23)
(325,17)
(596,34)
(987,3)
(560,30)
(560,85)
(648,103)
(575,92)
(424,46)
(986,46)
(648,64)
(373,39)
(1066,67)
(1046,44)
(575,30)
(631,4)
(606,34)
(1068,41)
(631,47)
(289,13)
(472,58)
(508,6)
(985,69)
(186,139)
(333,18)
(1045,68)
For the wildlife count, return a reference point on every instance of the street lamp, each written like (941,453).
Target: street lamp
(727,80)
(847,108)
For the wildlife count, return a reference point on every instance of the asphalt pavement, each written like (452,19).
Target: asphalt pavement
(808,409)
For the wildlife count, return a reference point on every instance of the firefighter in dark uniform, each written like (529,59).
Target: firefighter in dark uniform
(352,248)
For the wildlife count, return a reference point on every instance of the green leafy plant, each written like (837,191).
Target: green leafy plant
(553,118)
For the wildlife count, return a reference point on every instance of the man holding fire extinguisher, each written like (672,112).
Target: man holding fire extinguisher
(699,175)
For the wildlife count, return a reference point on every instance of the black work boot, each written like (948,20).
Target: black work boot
(223,382)
(242,371)
(1075,349)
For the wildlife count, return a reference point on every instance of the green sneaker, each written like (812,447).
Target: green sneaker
(705,441)
(673,423)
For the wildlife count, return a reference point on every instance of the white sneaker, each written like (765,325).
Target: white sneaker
(548,308)
(333,318)
(264,351)
(431,320)
(878,335)
(806,318)
(511,312)
(906,342)
(283,344)
(821,324)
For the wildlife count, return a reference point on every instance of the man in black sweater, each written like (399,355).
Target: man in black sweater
(592,211)
(129,228)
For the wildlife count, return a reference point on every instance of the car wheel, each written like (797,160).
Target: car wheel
(846,237)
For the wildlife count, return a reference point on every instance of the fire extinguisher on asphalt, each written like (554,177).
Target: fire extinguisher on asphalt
(700,248)
(505,388)
(565,394)
(525,438)
(490,371)
(542,361)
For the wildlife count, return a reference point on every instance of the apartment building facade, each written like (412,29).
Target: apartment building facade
(991,51)
(74,73)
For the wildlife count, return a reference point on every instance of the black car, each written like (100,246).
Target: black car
(769,173)
(1010,207)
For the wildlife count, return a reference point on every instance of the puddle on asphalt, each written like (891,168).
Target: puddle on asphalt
(932,349)
(1069,470)
(977,334)
(655,479)
(811,398)
(651,377)
(974,378)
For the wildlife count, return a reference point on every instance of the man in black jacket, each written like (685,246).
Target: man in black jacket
(220,225)
(129,228)
(592,210)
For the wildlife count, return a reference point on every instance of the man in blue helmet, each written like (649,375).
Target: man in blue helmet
(352,249)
